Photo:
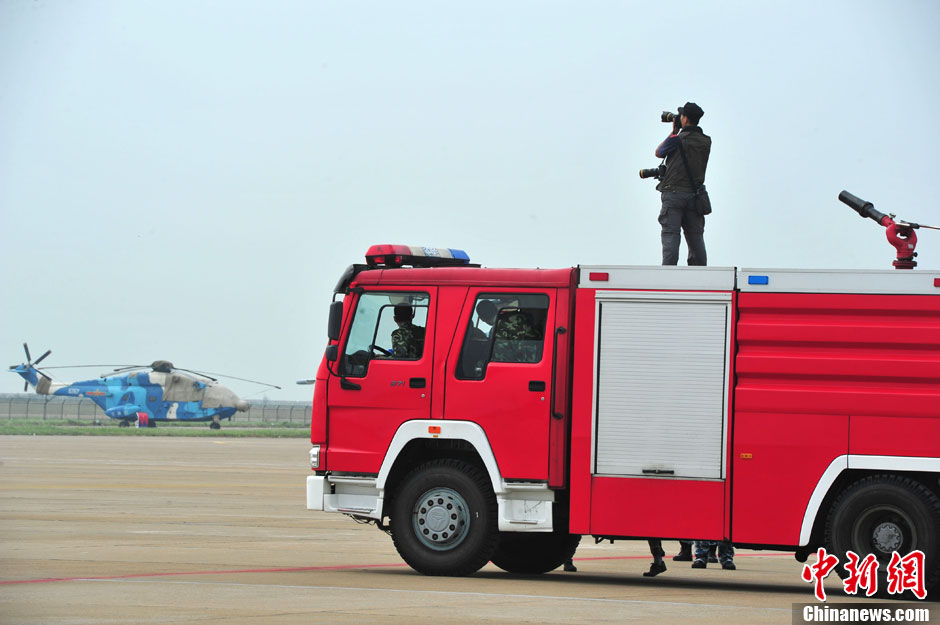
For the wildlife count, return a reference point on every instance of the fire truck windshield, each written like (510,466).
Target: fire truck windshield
(388,326)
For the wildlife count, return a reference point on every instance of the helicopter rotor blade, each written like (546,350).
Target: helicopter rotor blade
(28,357)
(202,373)
(25,386)
(232,377)
(83,366)
(41,358)
(43,375)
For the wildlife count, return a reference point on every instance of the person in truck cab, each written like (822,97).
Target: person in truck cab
(486,311)
(408,339)
(517,339)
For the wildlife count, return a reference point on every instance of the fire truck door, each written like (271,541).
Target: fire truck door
(499,375)
(384,375)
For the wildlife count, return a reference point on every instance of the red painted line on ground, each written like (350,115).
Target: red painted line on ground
(645,557)
(173,574)
(346,567)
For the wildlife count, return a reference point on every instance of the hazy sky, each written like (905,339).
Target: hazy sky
(186,180)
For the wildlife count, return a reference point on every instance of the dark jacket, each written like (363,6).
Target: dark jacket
(697,146)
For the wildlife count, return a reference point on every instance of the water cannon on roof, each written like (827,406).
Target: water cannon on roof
(900,233)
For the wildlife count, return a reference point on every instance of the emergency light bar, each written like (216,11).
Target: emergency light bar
(398,255)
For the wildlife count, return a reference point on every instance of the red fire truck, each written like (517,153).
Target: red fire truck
(785,409)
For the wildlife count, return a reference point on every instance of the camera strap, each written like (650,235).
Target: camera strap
(688,170)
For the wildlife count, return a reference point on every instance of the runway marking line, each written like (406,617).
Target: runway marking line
(298,569)
(221,572)
(464,593)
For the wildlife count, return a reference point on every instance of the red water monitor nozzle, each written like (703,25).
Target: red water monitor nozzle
(900,234)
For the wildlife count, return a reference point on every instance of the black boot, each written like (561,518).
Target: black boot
(655,569)
(685,553)
(712,557)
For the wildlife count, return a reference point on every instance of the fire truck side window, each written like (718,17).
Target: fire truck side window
(382,330)
(504,327)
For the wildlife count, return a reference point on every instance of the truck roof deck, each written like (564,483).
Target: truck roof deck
(478,276)
(655,277)
(880,281)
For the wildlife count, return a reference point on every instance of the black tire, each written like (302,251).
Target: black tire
(885,513)
(444,519)
(534,553)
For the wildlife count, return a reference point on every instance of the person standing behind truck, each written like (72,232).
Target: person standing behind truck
(686,152)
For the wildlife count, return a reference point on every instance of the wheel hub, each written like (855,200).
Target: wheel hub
(887,537)
(441,519)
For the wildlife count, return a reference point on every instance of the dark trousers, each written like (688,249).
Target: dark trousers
(725,550)
(678,215)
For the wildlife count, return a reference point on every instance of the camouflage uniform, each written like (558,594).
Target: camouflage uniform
(516,340)
(725,550)
(406,341)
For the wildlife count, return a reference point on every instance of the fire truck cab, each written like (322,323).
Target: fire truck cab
(482,414)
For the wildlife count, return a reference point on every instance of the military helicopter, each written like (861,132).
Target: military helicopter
(143,394)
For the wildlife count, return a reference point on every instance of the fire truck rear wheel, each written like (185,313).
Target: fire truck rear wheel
(444,519)
(885,513)
(534,553)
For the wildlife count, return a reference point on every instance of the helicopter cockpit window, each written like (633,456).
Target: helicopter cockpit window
(387,326)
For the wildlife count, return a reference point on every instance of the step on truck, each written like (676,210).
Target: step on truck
(777,409)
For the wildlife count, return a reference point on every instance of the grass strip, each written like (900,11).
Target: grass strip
(74,427)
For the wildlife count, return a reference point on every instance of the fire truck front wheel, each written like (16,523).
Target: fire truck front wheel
(444,519)
(882,514)
(534,553)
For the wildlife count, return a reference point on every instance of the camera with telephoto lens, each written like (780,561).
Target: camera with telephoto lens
(654,172)
(668,117)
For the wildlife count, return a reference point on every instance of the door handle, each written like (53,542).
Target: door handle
(417,383)
(537,386)
(658,472)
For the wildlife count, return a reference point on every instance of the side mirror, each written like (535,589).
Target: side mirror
(335,321)
(332,353)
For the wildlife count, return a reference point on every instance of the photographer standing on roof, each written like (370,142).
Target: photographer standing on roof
(682,182)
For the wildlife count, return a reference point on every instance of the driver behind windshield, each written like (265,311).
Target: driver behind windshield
(408,339)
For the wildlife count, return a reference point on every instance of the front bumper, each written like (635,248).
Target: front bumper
(357,496)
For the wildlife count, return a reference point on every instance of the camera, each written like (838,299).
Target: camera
(669,117)
(654,172)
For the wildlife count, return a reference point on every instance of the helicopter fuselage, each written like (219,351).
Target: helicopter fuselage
(174,396)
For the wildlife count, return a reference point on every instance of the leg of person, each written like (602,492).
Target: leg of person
(726,555)
(570,567)
(701,554)
(693,226)
(712,558)
(657,566)
(685,551)
(670,218)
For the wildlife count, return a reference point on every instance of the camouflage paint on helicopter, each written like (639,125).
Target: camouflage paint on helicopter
(162,394)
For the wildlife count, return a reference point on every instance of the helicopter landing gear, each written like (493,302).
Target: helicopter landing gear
(215,425)
(124,424)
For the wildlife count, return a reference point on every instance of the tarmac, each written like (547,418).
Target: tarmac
(127,530)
